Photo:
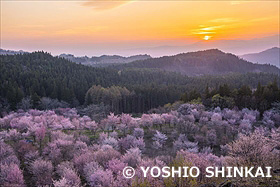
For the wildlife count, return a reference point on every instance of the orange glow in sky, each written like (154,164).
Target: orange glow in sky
(207,37)
(132,23)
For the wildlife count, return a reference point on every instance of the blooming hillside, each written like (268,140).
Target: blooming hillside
(61,148)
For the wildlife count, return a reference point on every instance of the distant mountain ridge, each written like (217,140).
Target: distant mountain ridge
(211,62)
(269,56)
(207,62)
(11,52)
(104,60)
(101,61)
(230,46)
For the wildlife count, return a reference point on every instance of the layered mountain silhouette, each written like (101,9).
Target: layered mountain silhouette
(269,56)
(11,52)
(211,61)
(103,60)
(235,46)
(207,62)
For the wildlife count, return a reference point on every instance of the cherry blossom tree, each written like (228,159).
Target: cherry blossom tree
(182,143)
(81,160)
(112,142)
(102,178)
(132,157)
(216,117)
(253,149)
(157,120)
(245,126)
(105,154)
(11,175)
(69,178)
(125,119)
(42,171)
(116,166)
(130,142)
(211,137)
(138,133)
(90,168)
(112,121)
(146,120)
(159,140)
(40,133)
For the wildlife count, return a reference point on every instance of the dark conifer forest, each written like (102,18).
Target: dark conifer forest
(132,90)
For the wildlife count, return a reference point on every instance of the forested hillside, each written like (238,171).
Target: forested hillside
(213,61)
(259,99)
(104,60)
(269,56)
(39,75)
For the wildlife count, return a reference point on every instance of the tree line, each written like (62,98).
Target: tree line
(224,96)
(31,77)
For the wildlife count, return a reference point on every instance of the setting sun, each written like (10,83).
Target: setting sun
(207,37)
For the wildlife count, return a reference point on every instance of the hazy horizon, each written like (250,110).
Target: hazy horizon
(158,51)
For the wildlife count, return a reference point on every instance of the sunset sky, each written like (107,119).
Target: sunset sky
(128,27)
